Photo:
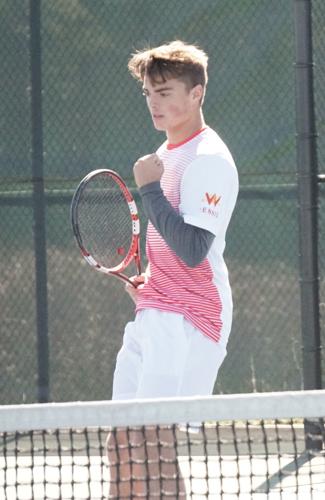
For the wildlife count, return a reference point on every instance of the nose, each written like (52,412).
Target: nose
(152,102)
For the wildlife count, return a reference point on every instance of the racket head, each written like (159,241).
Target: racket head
(105,222)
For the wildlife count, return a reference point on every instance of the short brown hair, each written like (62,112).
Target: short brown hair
(175,59)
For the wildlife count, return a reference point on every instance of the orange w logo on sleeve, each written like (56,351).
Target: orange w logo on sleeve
(212,199)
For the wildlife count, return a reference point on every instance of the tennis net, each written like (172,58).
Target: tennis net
(247,447)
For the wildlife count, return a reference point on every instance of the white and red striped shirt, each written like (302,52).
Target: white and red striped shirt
(201,183)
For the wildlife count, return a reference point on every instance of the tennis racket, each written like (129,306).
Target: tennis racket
(106,224)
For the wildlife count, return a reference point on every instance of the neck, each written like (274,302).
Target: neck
(185,130)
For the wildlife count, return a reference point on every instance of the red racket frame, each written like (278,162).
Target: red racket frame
(134,250)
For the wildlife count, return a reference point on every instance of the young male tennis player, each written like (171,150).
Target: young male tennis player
(177,342)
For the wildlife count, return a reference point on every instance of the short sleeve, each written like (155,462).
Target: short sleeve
(208,193)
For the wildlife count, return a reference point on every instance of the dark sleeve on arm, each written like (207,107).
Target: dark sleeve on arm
(190,243)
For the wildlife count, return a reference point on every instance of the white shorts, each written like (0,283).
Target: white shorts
(163,355)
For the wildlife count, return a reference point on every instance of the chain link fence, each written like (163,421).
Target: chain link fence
(93,115)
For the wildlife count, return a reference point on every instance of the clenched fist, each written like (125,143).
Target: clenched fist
(148,169)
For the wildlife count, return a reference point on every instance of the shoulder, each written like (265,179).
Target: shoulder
(212,159)
(211,166)
(211,171)
(212,144)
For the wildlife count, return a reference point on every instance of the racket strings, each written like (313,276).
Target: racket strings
(104,221)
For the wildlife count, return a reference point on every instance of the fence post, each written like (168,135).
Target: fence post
(307,172)
(39,202)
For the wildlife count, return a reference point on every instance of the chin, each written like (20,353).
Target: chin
(159,127)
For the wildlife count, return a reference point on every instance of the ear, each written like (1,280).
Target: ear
(197,92)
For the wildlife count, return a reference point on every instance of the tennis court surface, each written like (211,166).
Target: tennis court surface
(247,447)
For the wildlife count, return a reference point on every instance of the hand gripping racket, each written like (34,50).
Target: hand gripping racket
(106,224)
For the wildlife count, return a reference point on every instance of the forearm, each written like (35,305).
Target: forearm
(190,243)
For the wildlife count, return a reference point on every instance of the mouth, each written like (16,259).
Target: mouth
(157,117)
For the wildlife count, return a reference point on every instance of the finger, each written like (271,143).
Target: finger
(128,287)
(132,292)
(139,278)
(135,283)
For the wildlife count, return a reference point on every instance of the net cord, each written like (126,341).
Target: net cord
(272,405)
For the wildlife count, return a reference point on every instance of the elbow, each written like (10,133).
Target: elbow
(194,246)
(195,254)
(193,261)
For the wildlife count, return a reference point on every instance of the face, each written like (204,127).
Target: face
(171,104)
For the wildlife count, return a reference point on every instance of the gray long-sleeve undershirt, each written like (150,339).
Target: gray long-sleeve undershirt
(190,243)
